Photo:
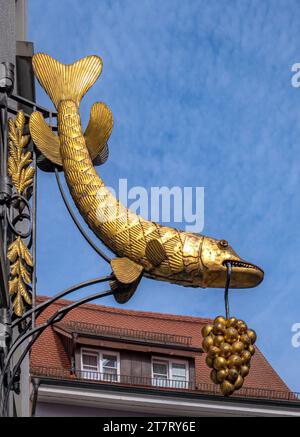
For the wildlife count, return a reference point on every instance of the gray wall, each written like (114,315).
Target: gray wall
(7,31)
(21,19)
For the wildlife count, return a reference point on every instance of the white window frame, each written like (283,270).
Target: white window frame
(99,353)
(171,383)
(117,355)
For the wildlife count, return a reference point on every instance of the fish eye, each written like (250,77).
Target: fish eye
(223,244)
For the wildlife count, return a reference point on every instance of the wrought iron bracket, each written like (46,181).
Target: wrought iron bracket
(227,285)
(16,386)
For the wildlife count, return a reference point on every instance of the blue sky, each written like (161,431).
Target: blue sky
(201,95)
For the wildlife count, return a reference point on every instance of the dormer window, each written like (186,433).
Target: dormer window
(100,365)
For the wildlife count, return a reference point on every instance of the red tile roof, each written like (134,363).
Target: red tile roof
(49,350)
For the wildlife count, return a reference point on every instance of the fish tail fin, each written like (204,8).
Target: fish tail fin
(66,82)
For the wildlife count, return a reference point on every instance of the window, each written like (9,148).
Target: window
(90,365)
(100,365)
(179,374)
(110,367)
(160,373)
(170,373)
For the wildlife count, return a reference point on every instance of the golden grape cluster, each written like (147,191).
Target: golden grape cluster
(229,345)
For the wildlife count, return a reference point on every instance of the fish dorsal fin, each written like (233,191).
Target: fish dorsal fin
(66,82)
(45,140)
(98,132)
(155,252)
(125,270)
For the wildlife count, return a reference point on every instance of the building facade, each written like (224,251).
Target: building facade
(103,361)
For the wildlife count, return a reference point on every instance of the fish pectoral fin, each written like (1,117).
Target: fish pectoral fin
(98,132)
(128,275)
(155,252)
(45,140)
(125,270)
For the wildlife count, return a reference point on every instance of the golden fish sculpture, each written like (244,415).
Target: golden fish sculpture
(141,247)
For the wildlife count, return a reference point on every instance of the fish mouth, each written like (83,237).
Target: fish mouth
(244,274)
